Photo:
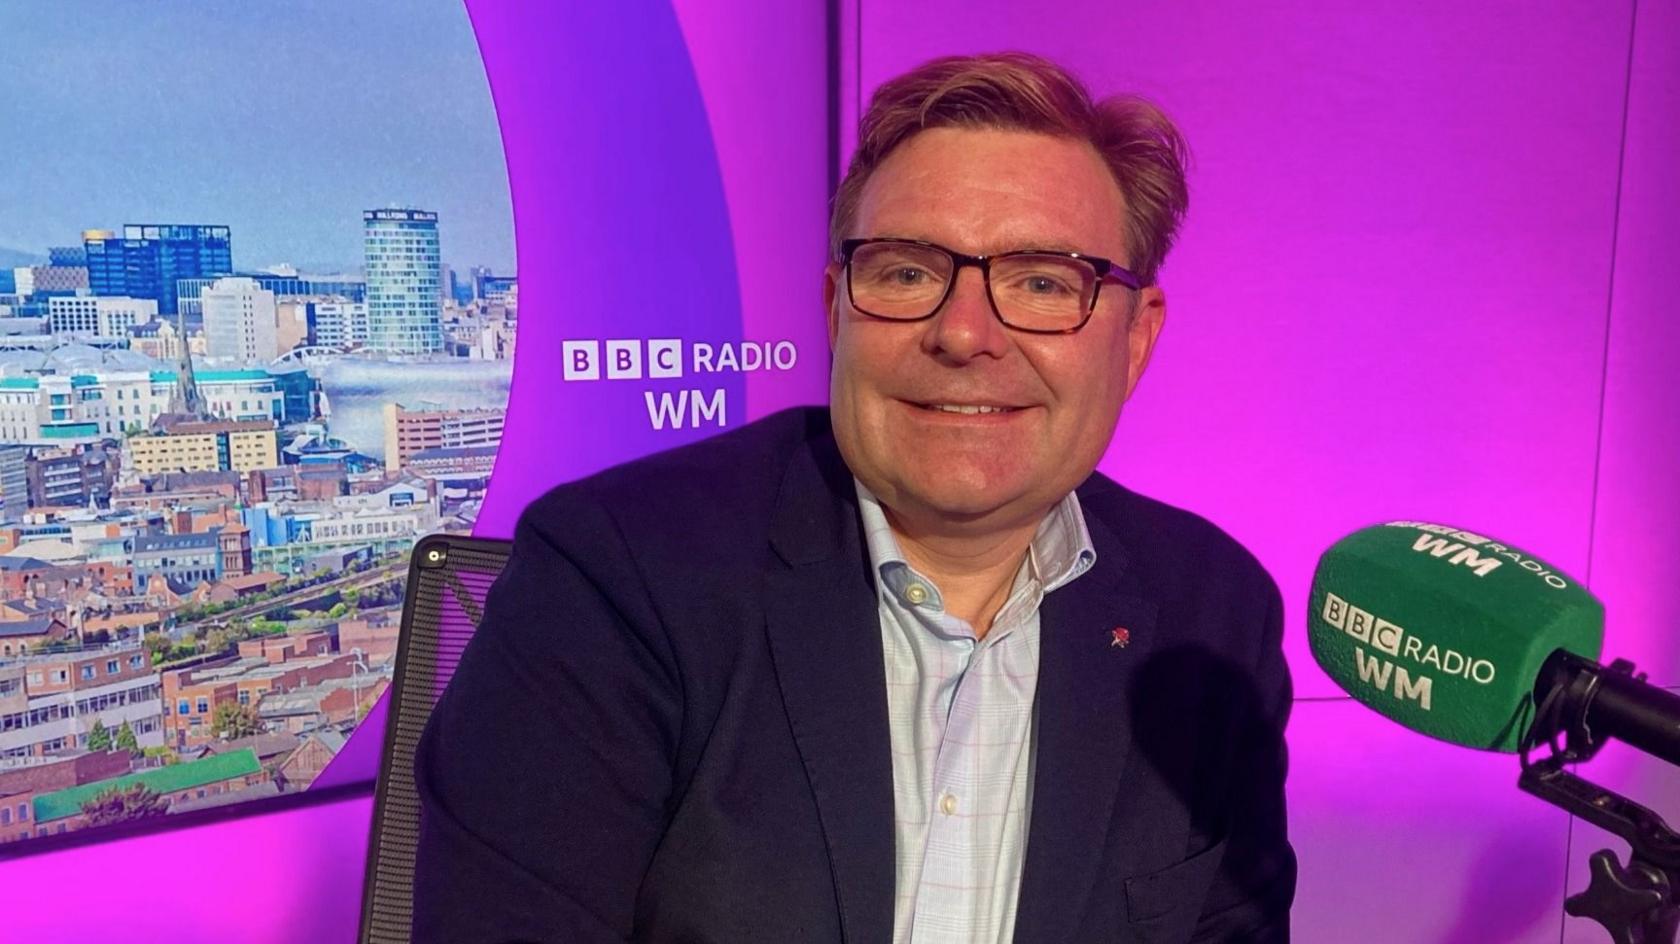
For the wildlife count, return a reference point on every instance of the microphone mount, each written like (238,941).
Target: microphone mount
(1636,903)
(1590,703)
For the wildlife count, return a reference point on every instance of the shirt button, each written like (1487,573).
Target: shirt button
(916,593)
(947,804)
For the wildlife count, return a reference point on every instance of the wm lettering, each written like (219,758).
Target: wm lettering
(1380,673)
(688,406)
(1461,555)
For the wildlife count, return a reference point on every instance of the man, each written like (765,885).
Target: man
(904,669)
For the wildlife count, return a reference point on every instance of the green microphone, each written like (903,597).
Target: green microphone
(1444,630)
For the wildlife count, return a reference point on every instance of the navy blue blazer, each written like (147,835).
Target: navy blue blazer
(672,722)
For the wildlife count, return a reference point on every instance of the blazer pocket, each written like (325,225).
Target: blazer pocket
(1177,886)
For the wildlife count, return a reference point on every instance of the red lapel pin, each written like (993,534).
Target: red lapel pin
(1121,635)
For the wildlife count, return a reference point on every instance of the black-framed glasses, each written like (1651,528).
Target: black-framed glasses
(1035,290)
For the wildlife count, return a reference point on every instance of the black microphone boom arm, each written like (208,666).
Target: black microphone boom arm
(1590,703)
(1586,704)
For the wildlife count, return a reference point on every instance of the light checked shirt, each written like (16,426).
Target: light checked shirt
(961,716)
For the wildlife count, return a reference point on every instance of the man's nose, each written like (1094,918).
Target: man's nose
(965,327)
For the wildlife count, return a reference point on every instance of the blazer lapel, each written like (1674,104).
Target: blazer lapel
(1093,636)
(825,643)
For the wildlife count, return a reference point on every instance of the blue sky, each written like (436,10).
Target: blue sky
(281,120)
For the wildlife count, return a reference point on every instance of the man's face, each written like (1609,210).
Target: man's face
(985,191)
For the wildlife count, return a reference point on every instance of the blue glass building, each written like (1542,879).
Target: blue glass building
(74,256)
(486,284)
(148,259)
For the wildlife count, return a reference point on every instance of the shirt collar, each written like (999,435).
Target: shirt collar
(1061,550)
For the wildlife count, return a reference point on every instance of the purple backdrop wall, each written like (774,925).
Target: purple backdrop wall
(1638,496)
(1425,274)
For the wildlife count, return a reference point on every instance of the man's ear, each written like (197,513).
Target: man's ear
(831,300)
(1148,315)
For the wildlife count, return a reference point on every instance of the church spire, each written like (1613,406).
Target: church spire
(185,399)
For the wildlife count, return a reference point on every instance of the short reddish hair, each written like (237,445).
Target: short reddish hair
(1013,90)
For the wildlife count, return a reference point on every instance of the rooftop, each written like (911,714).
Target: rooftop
(262,579)
(74,358)
(47,549)
(226,670)
(267,788)
(177,424)
(175,777)
(331,737)
(85,652)
(304,701)
(27,607)
(178,481)
(263,745)
(35,626)
(454,452)
(203,540)
(23,562)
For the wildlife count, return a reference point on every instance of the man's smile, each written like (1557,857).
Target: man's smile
(967,409)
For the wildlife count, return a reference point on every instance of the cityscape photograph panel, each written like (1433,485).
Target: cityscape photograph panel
(225,420)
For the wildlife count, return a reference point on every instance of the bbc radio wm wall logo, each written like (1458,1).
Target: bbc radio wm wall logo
(664,359)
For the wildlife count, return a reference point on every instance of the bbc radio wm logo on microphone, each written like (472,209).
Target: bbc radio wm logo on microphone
(664,359)
(1481,555)
(1368,629)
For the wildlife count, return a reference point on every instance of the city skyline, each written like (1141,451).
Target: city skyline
(329,107)
(15,257)
(93,274)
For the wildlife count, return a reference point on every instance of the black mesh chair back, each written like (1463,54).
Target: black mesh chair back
(448,578)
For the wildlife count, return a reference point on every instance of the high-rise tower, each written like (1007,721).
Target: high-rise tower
(404,310)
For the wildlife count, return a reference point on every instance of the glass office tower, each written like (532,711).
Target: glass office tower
(404,310)
(148,259)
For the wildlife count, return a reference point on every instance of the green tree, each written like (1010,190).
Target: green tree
(216,640)
(99,739)
(163,754)
(120,805)
(233,720)
(158,644)
(126,740)
(338,610)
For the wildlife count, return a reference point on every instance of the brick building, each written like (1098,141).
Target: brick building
(61,811)
(21,781)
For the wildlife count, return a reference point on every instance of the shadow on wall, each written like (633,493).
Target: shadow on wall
(1507,893)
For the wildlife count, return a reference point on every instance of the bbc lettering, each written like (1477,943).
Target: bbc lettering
(623,360)
(1362,625)
(662,358)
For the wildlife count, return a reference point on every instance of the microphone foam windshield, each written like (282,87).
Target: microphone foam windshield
(1444,630)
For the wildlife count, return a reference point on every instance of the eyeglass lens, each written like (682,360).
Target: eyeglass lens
(907,281)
